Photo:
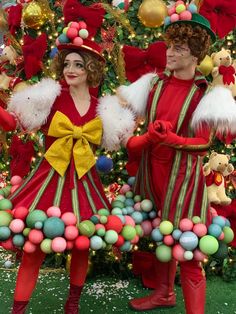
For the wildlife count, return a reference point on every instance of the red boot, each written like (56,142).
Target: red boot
(164,295)
(19,307)
(194,295)
(72,303)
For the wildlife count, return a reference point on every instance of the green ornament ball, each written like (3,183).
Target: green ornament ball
(146,205)
(5,218)
(129,194)
(164,253)
(208,244)
(101,232)
(121,198)
(103,212)
(118,204)
(111,236)
(53,227)
(46,246)
(103,219)
(139,230)
(128,232)
(26,232)
(228,234)
(180,8)
(34,216)
(5,204)
(86,228)
(196,219)
(166,227)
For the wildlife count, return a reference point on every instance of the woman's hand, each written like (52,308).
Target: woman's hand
(158,130)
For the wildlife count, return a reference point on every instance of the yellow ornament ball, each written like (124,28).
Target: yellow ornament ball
(206,66)
(152,13)
(33,15)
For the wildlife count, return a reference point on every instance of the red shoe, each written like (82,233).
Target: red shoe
(72,303)
(19,307)
(164,295)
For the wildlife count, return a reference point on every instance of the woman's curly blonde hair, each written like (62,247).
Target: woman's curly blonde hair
(93,67)
(197,38)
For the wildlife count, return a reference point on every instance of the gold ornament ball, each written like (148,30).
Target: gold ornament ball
(206,66)
(33,15)
(152,13)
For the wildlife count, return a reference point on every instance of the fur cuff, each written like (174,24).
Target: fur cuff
(118,122)
(33,104)
(216,109)
(136,94)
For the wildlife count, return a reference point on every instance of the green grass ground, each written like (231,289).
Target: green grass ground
(105,295)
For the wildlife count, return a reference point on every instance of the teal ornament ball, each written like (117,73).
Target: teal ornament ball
(18,240)
(156,235)
(214,230)
(208,244)
(128,232)
(5,219)
(96,243)
(5,233)
(5,204)
(46,246)
(94,219)
(129,202)
(146,205)
(87,228)
(164,253)
(111,237)
(63,39)
(137,217)
(35,216)
(229,234)
(131,181)
(219,221)
(176,234)
(53,227)
(126,247)
(188,240)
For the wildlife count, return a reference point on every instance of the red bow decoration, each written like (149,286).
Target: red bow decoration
(33,52)
(21,154)
(92,15)
(139,62)
(221,14)
(108,39)
(228,74)
(14,17)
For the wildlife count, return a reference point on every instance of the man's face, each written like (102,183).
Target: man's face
(179,57)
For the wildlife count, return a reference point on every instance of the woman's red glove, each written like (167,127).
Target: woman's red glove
(158,129)
(7,120)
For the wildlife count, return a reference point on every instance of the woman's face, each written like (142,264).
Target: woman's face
(74,71)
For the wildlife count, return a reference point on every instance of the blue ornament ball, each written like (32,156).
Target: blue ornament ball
(176,234)
(167,20)
(219,221)
(53,52)
(188,240)
(63,39)
(137,217)
(192,8)
(53,227)
(104,164)
(5,233)
(129,202)
(214,230)
(126,247)
(96,243)
(156,235)
(131,181)
(8,264)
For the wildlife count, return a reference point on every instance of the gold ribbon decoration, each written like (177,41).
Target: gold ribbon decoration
(59,153)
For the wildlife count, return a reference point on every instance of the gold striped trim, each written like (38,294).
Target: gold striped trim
(195,187)
(90,199)
(58,195)
(204,205)
(96,189)
(75,199)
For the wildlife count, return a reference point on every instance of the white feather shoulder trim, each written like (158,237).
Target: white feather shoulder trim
(118,122)
(217,109)
(33,104)
(136,94)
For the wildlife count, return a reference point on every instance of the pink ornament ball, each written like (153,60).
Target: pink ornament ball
(168,240)
(71,233)
(14,188)
(99,226)
(221,237)
(156,222)
(178,253)
(36,236)
(69,219)
(171,10)
(125,188)
(17,225)
(120,241)
(78,41)
(200,229)
(75,25)
(185,224)
(213,212)
(186,16)
(199,255)
(179,2)
(69,245)
(135,240)
(137,206)
(82,243)
(72,33)
(58,245)
(21,212)
(1,197)
(29,247)
(147,227)
(174,17)
(114,223)
(129,221)
(82,24)
(16,180)
(57,42)
(54,211)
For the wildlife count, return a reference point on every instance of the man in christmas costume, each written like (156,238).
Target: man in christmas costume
(167,157)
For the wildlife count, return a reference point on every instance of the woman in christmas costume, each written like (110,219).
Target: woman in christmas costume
(168,155)
(66,176)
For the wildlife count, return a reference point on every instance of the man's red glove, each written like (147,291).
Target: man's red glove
(7,120)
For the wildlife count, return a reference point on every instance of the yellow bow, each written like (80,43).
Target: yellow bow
(59,153)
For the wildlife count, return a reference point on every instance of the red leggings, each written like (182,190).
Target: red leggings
(29,270)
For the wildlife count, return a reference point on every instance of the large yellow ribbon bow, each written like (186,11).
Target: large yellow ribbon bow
(59,153)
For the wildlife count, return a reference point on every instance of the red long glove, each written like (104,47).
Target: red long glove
(7,121)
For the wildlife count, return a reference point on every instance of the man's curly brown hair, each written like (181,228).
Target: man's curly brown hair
(93,67)
(197,38)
